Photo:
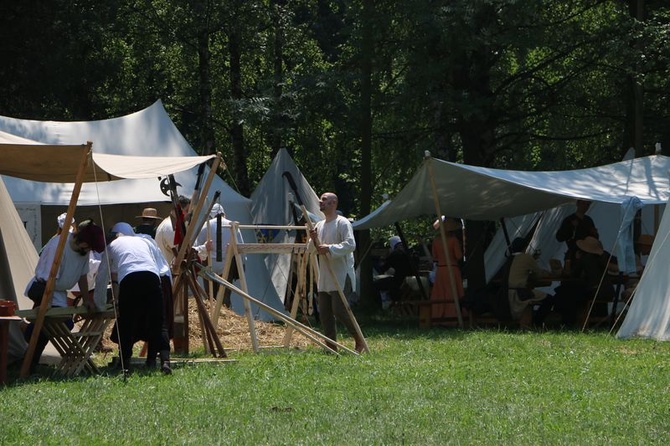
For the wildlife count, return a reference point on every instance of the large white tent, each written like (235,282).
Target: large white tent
(147,133)
(649,313)
(273,202)
(480,193)
(18,258)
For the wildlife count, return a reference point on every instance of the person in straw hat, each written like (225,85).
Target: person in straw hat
(150,221)
(444,262)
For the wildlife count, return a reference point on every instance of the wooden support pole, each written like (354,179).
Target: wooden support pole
(51,282)
(443,238)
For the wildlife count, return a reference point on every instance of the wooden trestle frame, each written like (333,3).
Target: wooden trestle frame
(304,260)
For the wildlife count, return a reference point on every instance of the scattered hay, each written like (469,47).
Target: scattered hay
(232,330)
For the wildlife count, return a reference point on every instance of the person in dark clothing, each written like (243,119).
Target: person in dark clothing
(400,262)
(150,221)
(576,226)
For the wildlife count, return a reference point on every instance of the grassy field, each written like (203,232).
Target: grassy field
(416,387)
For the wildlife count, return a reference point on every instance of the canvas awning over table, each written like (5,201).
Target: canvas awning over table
(480,193)
(77,164)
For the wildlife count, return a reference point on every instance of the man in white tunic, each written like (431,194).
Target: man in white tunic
(73,270)
(336,244)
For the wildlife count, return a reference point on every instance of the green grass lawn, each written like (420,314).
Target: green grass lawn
(416,387)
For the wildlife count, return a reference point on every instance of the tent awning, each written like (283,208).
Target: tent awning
(479,193)
(51,163)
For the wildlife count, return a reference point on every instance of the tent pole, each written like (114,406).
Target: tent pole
(443,237)
(505,233)
(182,267)
(51,282)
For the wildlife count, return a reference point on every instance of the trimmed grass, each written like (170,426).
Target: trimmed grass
(417,387)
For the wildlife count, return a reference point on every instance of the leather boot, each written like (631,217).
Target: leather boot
(165,362)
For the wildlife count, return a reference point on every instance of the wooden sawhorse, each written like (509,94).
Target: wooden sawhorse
(75,347)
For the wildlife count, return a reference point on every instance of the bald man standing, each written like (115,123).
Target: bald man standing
(336,241)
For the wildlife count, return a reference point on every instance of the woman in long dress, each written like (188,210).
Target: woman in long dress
(442,288)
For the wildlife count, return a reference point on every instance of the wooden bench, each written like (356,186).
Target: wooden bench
(77,346)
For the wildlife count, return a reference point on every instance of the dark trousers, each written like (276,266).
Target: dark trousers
(140,313)
(332,308)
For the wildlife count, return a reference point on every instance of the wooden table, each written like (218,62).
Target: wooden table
(4,344)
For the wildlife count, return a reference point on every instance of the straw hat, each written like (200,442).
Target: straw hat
(150,213)
(591,245)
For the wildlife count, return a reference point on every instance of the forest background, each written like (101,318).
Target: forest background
(356,90)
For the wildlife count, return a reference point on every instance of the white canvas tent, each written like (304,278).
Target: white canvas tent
(18,258)
(273,203)
(649,313)
(150,133)
(480,193)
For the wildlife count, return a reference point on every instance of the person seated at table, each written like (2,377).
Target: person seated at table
(524,274)
(396,267)
(592,272)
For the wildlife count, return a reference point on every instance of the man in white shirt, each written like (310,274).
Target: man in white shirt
(336,241)
(135,266)
(73,270)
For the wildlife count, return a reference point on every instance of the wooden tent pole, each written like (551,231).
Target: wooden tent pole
(180,266)
(193,227)
(51,282)
(443,237)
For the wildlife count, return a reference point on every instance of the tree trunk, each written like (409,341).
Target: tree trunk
(278,75)
(367,54)
(236,128)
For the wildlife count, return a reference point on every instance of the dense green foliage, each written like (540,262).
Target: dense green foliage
(355,90)
(416,387)
(514,83)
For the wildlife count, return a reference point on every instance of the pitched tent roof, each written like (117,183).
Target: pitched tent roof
(149,132)
(649,312)
(480,193)
(271,204)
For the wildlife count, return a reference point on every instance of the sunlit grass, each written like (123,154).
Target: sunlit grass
(417,387)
